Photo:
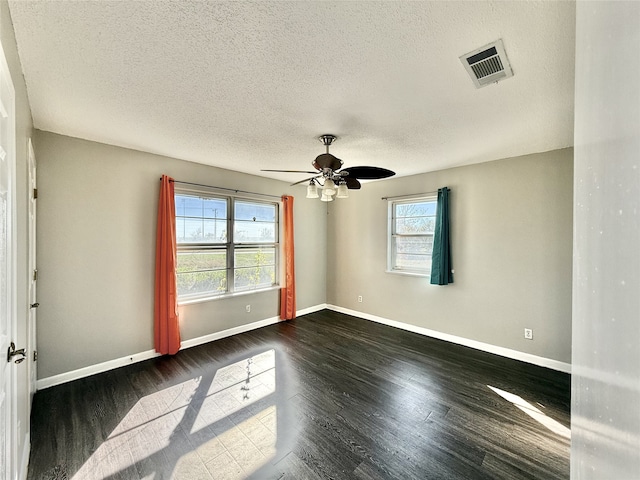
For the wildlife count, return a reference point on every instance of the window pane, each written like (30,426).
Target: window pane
(412,253)
(187,206)
(202,272)
(193,230)
(249,278)
(215,231)
(254,257)
(201,260)
(255,212)
(195,283)
(194,206)
(254,267)
(415,225)
(254,232)
(417,245)
(412,262)
(417,209)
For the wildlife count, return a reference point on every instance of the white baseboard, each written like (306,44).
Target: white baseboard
(54,380)
(228,332)
(139,357)
(315,308)
(485,347)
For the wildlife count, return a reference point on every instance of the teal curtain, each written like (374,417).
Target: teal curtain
(441,273)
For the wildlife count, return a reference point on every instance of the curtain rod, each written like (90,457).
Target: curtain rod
(223,188)
(424,194)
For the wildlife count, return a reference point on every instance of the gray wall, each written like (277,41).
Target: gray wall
(24,130)
(605,413)
(96,225)
(97,209)
(511,239)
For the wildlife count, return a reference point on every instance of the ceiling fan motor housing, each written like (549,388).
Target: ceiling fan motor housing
(326,160)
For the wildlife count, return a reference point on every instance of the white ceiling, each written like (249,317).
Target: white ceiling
(250,85)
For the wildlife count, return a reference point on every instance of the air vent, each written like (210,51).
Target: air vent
(487,65)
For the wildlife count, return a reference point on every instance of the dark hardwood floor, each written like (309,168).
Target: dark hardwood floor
(324,396)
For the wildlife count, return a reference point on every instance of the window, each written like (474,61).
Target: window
(225,244)
(411,227)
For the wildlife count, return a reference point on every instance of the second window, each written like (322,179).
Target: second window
(411,227)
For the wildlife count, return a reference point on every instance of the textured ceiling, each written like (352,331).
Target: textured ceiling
(250,85)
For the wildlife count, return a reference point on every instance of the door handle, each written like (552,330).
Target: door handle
(12,352)
(34,305)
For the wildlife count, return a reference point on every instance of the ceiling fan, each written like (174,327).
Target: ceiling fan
(334,179)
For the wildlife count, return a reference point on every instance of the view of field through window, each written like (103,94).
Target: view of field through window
(219,252)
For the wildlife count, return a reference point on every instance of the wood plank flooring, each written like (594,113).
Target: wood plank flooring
(326,396)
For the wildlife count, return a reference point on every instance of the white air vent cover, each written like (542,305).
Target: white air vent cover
(488,64)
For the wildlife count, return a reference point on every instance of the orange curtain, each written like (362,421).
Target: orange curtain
(288,292)
(166,326)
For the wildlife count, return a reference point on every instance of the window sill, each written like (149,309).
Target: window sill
(409,274)
(191,301)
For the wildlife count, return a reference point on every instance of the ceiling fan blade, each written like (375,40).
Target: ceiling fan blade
(352,183)
(305,180)
(287,171)
(326,160)
(368,173)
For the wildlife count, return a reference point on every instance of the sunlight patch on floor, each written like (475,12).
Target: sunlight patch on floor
(207,427)
(247,447)
(534,412)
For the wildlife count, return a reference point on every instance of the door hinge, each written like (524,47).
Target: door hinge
(35,193)
(35,355)
(35,275)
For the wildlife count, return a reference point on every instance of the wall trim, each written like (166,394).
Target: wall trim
(61,378)
(194,342)
(485,347)
(315,308)
(24,461)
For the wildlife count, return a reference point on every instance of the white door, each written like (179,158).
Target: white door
(33,276)
(8,464)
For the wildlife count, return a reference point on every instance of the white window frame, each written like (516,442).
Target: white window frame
(230,245)
(392,235)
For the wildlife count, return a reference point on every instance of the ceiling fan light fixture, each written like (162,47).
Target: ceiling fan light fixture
(330,179)
(343,191)
(329,187)
(312,190)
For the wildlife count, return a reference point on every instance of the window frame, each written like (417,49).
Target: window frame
(230,245)
(392,234)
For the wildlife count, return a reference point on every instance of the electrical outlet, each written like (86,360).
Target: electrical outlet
(528,334)
(359,298)
(248,308)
